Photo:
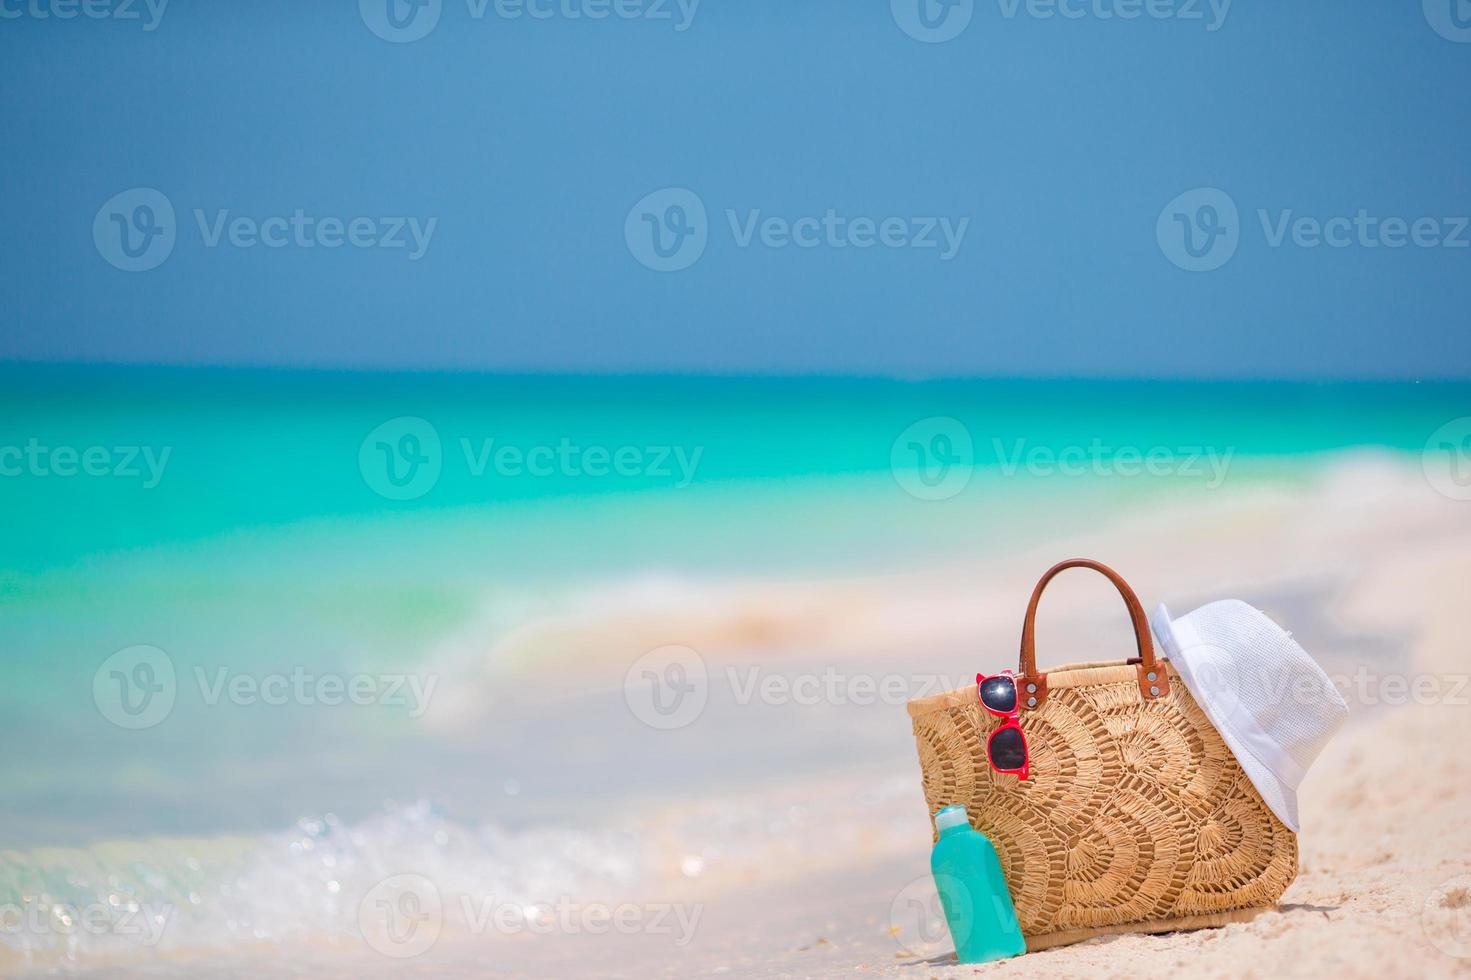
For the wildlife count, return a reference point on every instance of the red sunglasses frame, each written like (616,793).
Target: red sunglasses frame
(1013,720)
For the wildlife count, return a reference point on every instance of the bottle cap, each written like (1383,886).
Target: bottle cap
(951,816)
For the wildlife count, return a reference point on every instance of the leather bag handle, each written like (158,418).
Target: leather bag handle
(1032,684)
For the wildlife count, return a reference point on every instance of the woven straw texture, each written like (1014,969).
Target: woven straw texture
(1136,814)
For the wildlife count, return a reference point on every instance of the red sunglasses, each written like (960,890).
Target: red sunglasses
(1006,749)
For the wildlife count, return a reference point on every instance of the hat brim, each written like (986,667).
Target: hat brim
(1281,798)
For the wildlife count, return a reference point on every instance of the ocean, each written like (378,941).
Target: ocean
(269,636)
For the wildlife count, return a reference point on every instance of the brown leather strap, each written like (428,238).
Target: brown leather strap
(1032,684)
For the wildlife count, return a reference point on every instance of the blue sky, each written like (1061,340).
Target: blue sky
(994,188)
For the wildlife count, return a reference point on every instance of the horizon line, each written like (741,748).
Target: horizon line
(710,374)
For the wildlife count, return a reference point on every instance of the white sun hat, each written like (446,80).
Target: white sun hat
(1273,705)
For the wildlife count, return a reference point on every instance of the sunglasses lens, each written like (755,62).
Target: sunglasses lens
(999,694)
(1007,750)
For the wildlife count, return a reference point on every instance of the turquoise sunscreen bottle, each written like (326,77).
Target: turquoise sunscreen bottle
(973,891)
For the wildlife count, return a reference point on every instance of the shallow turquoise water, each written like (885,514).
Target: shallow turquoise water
(258,448)
(250,519)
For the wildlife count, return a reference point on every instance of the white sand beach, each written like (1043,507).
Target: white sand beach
(801,859)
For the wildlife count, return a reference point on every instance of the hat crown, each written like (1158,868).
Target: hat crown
(1270,701)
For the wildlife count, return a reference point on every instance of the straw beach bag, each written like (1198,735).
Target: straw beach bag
(1136,818)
